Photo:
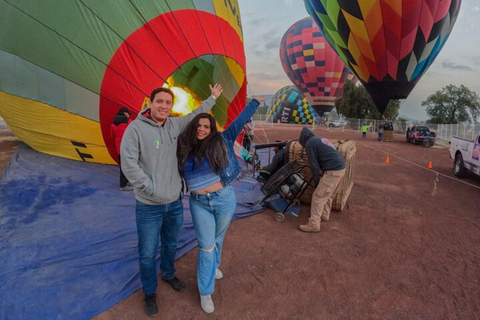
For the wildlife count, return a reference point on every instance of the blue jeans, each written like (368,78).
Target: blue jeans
(380,136)
(211,215)
(154,221)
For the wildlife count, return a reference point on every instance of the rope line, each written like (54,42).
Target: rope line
(419,166)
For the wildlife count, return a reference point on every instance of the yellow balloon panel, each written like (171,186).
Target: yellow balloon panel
(46,131)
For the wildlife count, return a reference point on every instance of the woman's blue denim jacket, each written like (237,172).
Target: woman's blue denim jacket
(233,169)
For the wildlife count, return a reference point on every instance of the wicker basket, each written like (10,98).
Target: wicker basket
(347,150)
(388,135)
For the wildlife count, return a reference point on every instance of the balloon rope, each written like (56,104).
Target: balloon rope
(419,166)
(124,40)
(203,29)
(154,34)
(249,88)
(211,50)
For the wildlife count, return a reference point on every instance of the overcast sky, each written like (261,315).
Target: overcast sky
(265,21)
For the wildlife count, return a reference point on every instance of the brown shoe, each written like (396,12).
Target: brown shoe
(309,228)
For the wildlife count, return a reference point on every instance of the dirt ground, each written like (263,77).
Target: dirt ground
(405,247)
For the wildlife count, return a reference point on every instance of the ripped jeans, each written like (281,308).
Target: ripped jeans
(211,215)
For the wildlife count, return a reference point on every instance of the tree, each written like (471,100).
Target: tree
(452,104)
(262,108)
(356,103)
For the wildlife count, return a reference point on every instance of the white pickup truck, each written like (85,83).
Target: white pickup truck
(466,155)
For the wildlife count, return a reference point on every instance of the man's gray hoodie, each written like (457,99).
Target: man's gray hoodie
(149,156)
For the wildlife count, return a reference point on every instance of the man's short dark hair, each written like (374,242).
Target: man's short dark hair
(161,89)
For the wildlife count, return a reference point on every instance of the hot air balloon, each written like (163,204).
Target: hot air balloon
(389,45)
(67,67)
(289,105)
(312,65)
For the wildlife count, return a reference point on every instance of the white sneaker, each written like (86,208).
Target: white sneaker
(218,274)
(207,303)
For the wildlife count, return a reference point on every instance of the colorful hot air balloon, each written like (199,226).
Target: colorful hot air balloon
(67,67)
(389,45)
(312,65)
(289,105)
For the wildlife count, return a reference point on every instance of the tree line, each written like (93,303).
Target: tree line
(451,104)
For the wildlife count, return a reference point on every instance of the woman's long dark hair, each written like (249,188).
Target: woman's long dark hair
(212,147)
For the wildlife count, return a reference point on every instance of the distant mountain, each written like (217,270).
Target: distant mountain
(263,98)
(411,119)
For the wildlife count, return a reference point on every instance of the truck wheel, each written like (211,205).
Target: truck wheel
(458,168)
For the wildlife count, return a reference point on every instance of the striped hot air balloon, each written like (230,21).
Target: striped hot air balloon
(67,67)
(388,45)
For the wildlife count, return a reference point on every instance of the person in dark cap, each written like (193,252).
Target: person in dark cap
(322,155)
(277,163)
(117,129)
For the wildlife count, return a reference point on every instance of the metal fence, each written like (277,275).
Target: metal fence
(444,131)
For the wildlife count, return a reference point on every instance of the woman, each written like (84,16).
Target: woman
(380,133)
(208,163)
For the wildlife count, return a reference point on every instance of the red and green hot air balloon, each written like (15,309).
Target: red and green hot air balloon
(312,65)
(67,67)
(387,44)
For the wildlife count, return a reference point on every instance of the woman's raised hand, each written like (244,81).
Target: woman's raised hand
(216,90)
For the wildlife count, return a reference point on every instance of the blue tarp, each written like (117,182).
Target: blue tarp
(68,239)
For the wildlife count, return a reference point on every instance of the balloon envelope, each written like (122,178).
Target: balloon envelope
(79,62)
(387,44)
(289,105)
(312,65)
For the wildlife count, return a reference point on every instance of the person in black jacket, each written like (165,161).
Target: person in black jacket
(322,155)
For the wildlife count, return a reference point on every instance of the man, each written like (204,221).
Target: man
(149,161)
(364,130)
(322,155)
(277,163)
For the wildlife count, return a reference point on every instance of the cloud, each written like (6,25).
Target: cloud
(264,76)
(272,44)
(475,60)
(454,66)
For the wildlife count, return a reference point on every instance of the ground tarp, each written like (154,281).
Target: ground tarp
(68,239)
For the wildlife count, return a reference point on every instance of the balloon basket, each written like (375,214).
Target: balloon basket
(388,135)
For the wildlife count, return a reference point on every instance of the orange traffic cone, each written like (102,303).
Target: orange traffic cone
(387,160)
(430,165)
